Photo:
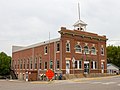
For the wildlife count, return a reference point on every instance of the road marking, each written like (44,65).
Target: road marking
(107,83)
(118,84)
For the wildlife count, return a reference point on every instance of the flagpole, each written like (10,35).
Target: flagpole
(49,51)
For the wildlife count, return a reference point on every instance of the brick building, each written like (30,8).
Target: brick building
(75,52)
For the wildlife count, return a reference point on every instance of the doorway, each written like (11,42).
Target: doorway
(67,67)
(86,67)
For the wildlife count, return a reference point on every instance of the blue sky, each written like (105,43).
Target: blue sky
(25,22)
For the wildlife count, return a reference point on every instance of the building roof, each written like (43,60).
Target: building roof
(112,66)
(19,48)
(79,22)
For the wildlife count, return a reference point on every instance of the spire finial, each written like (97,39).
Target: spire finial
(79,10)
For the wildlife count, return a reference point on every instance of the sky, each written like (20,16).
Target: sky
(26,22)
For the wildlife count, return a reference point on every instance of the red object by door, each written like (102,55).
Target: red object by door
(49,74)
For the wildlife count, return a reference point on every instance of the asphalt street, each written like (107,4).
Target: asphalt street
(102,83)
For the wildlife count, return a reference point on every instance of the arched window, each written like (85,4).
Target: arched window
(78,49)
(86,50)
(93,51)
(68,47)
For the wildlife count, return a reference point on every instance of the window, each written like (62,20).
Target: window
(21,64)
(45,50)
(102,51)
(86,50)
(78,48)
(93,65)
(40,63)
(45,65)
(15,64)
(58,47)
(51,64)
(24,64)
(93,51)
(18,63)
(80,64)
(31,63)
(28,64)
(68,47)
(76,64)
(58,66)
(35,63)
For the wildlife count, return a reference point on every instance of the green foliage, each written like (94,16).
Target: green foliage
(113,55)
(4,64)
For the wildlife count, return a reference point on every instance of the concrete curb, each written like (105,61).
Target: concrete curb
(95,78)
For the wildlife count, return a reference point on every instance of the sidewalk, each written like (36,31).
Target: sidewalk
(61,81)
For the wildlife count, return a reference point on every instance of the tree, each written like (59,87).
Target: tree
(4,64)
(113,55)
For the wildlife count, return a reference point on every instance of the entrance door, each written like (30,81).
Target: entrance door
(67,67)
(86,67)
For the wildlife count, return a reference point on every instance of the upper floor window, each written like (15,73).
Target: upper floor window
(78,49)
(86,50)
(45,65)
(68,46)
(58,47)
(102,51)
(93,51)
(45,50)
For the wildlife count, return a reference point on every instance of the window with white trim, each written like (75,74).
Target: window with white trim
(24,64)
(76,64)
(86,50)
(58,47)
(35,63)
(21,62)
(30,63)
(45,50)
(57,64)
(93,51)
(93,65)
(18,63)
(78,49)
(80,64)
(40,63)
(51,64)
(102,51)
(68,47)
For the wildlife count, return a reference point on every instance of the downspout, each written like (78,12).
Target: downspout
(60,54)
